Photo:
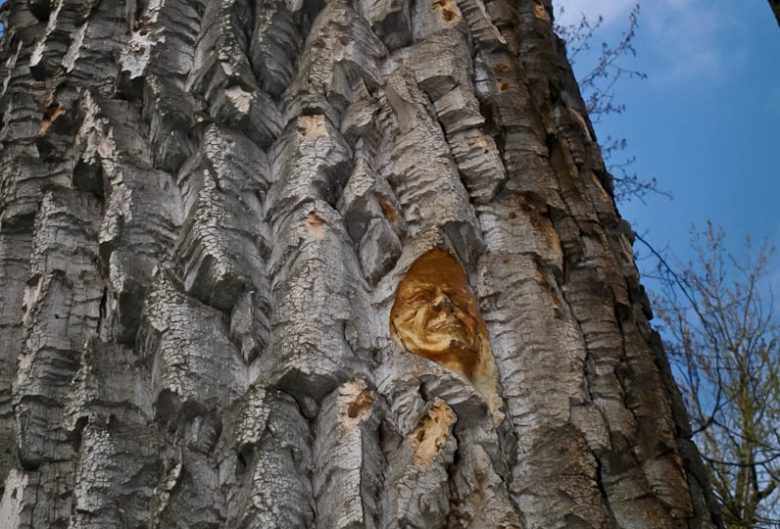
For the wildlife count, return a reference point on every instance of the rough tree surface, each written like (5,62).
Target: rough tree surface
(206,210)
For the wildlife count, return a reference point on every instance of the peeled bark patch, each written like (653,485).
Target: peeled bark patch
(356,402)
(448,10)
(311,125)
(315,225)
(432,432)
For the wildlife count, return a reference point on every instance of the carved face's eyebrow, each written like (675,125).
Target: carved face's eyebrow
(413,294)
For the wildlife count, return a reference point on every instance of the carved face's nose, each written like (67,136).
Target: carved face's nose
(442,302)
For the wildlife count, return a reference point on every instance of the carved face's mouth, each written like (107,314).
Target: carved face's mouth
(451,324)
(447,332)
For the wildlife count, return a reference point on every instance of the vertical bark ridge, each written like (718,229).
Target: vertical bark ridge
(22,173)
(206,209)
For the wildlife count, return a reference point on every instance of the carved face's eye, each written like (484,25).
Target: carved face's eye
(421,297)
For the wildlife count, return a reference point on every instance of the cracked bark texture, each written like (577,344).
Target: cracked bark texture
(206,208)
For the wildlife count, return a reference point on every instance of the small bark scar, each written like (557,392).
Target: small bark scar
(355,404)
(50,115)
(541,13)
(311,126)
(449,11)
(387,210)
(315,225)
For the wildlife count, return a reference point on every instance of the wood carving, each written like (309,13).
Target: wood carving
(436,316)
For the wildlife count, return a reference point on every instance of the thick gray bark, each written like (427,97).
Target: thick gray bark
(206,209)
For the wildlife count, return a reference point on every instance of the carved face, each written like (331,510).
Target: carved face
(435,314)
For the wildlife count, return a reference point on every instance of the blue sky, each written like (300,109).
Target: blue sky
(706,122)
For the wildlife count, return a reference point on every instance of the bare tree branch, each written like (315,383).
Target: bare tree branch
(723,339)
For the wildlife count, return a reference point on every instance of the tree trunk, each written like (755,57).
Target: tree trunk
(297,264)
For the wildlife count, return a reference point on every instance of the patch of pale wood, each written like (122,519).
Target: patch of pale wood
(432,433)
(311,126)
(355,402)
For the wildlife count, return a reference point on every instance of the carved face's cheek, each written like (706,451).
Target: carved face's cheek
(410,315)
(468,328)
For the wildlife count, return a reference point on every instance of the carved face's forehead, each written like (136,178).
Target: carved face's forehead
(435,270)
